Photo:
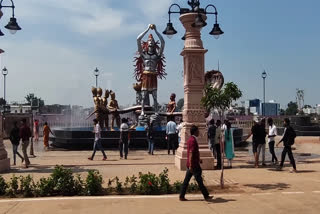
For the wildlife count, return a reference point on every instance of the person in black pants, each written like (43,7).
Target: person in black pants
(272,134)
(124,138)
(15,140)
(288,140)
(218,142)
(171,132)
(193,166)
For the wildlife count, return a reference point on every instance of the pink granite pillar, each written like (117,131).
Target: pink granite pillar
(4,160)
(193,113)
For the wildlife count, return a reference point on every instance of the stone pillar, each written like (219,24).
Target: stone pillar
(4,160)
(193,113)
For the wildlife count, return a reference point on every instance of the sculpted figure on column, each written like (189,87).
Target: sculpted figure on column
(149,65)
(113,108)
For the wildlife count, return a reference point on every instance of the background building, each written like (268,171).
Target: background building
(271,108)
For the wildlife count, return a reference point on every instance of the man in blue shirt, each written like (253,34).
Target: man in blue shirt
(171,131)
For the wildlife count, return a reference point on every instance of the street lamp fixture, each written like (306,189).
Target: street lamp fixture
(199,22)
(12,26)
(4,73)
(96,72)
(264,76)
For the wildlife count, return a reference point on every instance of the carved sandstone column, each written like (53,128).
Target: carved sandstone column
(193,113)
(4,160)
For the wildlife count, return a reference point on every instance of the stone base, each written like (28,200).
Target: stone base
(5,165)
(181,163)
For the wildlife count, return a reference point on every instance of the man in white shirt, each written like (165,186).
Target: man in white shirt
(271,140)
(171,131)
(97,140)
(124,138)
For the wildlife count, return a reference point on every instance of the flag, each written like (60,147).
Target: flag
(1,51)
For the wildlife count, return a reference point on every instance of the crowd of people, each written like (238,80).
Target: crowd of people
(259,135)
(220,140)
(24,135)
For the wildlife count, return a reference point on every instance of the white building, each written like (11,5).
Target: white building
(20,109)
(318,109)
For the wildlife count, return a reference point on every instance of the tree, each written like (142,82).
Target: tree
(180,105)
(2,102)
(292,108)
(34,101)
(220,99)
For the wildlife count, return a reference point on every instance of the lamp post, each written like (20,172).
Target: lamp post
(193,19)
(4,73)
(264,76)
(199,20)
(96,72)
(12,26)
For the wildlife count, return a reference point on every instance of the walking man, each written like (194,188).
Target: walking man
(255,138)
(150,138)
(271,136)
(193,166)
(288,140)
(15,140)
(46,133)
(25,134)
(171,135)
(124,138)
(262,141)
(97,140)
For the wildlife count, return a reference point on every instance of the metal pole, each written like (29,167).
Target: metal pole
(96,81)
(4,86)
(264,96)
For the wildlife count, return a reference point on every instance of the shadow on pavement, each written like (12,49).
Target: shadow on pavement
(305,171)
(277,186)
(214,200)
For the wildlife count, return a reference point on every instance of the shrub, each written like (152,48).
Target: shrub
(148,184)
(177,186)
(119,188)
(164,181)
(63,181)
(133,184)
(13,187)
(3,186)
(27,186)
(79,186)
(94,183)
(44,187)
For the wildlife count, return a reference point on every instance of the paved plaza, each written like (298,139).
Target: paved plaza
(261,190)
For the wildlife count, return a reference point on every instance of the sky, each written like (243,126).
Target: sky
(62,42)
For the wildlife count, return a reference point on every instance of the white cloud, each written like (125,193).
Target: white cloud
(90,18)
(155,9)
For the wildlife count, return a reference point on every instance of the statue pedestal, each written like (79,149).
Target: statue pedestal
(194,82)
(4,160)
